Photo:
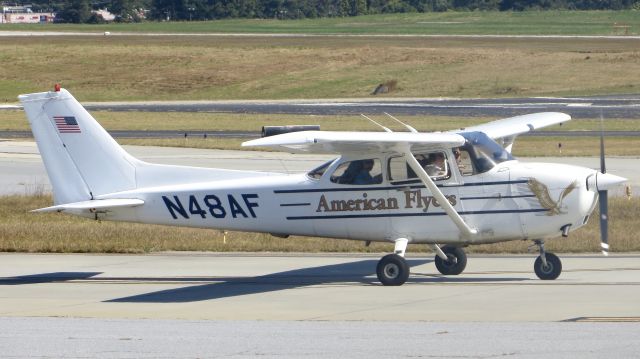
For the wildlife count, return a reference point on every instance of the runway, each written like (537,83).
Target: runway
(622,106)
(614,106)
(244,305)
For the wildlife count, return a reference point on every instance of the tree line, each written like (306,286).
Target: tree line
(79,11)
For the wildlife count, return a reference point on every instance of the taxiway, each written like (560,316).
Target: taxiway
(195,305)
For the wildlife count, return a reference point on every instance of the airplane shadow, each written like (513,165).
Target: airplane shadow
(46,278)
(359,272)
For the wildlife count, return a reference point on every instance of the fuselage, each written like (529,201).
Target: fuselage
(513,200)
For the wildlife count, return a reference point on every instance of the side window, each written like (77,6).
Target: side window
(463,160)
(358,172)
(434,163)
(399,170)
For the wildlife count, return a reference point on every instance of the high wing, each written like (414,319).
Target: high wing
(357,142)
(513,126)
(506,130)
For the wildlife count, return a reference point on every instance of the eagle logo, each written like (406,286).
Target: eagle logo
(541,191)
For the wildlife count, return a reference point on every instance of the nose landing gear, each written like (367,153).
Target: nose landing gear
(547,266)
(454,264)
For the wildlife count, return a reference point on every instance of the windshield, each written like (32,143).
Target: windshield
(484,152)
(317,172)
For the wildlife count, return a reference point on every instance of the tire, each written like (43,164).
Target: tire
(551,271)
(457,261)
(392,270)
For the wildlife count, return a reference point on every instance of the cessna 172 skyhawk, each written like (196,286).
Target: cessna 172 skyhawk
(444,189)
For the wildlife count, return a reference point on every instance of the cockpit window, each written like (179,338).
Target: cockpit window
(483,152)
(360,172)
(434,163)
(317,172)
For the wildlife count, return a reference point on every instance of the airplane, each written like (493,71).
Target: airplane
(448,190)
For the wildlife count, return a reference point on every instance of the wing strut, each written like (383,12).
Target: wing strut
(437,194)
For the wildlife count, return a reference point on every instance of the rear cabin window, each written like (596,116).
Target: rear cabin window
(359,172)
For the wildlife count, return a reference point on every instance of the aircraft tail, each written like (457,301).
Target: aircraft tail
(81,158)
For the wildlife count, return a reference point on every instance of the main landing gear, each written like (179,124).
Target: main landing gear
(393,269)
(547,266)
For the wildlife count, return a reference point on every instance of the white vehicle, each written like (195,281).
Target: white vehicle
(448,190)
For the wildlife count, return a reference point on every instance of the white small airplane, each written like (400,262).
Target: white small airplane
(445,189)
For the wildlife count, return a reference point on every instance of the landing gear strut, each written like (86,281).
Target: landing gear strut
(547,266)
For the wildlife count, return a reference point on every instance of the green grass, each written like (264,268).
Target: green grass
(22,231)
(449,23)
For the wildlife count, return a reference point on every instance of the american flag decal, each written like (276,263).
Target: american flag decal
(66,124)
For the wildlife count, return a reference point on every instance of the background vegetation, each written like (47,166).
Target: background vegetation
(551,22)
(77,11)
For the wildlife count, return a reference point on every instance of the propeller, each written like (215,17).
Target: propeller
(604,181)
(604,198)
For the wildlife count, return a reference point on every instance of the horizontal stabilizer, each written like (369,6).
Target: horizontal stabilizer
(98,205)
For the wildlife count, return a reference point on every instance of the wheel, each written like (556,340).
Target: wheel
(392,269)
(455,264)
(551,271)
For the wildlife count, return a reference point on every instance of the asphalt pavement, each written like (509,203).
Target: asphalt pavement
(208,305)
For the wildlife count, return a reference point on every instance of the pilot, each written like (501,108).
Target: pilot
(456,154)
(364,176)
(435,166)
(464,167)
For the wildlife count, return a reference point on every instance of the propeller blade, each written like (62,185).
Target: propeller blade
(603,169)
(603,197)
(604,222)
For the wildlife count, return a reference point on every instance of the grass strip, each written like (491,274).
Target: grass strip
(144,68)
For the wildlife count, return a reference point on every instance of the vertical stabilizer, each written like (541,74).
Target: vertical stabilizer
(81,158)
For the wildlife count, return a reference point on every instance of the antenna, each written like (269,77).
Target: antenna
(379,125)
(411,129)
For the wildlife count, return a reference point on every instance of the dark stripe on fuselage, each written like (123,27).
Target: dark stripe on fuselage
(343,216)
(387,188)
(294,204)
(500,197)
